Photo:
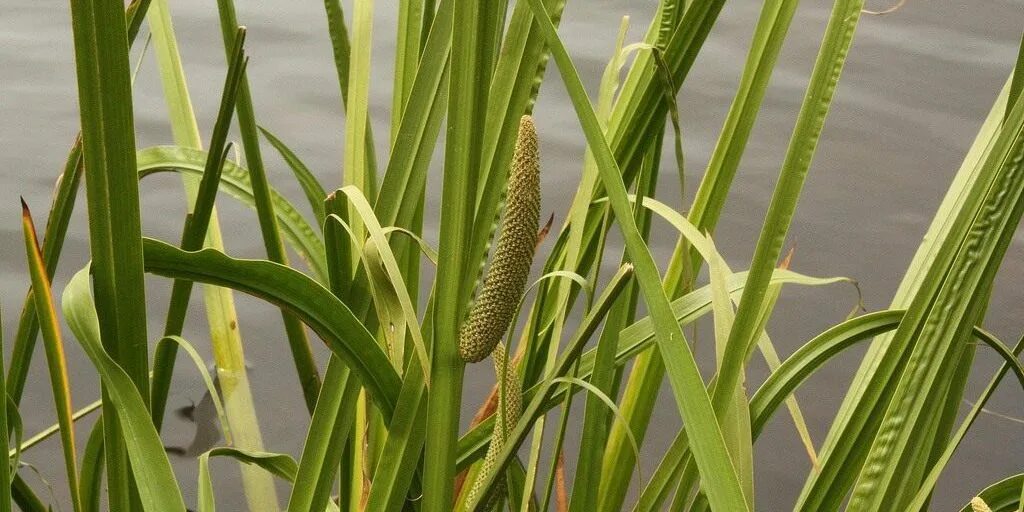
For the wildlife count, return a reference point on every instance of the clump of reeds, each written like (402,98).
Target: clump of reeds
(389,434)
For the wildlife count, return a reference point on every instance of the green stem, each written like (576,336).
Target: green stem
(298,342)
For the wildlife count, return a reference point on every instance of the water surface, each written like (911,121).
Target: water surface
(915,90)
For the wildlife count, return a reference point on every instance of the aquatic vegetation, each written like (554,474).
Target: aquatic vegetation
(385,431)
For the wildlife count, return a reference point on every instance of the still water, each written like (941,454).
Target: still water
(915,90)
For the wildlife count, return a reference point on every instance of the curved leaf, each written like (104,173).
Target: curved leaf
(211,388)
(425,248)
(593,390)
(359,204)
(1009,356)
(235,181)
(779,385)
(280,465)
(157,487)
(316,306)
(811,356)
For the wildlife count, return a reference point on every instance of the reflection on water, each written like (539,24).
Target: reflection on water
(207,431)
(917,85)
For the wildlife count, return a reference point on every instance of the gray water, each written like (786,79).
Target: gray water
(916,87)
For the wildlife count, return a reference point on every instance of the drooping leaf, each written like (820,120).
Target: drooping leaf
(158,490)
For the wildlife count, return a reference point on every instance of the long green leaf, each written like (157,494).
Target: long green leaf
(105,105)
(858,416)
(357,170)
(586,486)
(409,44)
(452,292)
(157,487)
(54,234)
(329,428)
(814,110)
(405,176)
(91,480)
(769,34)
(648,372)
(342,49)
(820,91)
(946,308)
(53,241)
(403,448)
